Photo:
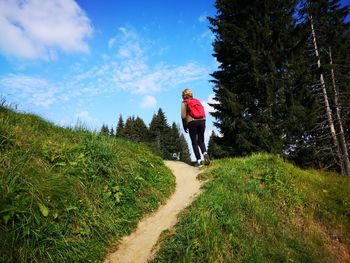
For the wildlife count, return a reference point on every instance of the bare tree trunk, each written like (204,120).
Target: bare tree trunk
(339,118)
(326,101)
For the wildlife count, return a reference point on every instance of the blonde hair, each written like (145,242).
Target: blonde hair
(187,93)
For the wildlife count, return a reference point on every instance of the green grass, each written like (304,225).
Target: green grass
(262,209)
(67,194)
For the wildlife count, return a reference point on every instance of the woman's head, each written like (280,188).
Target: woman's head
(187,93)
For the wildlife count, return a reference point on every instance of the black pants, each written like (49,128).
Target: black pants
(196,130)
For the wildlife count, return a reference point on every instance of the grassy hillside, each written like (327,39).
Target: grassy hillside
(261,209)
(66,194)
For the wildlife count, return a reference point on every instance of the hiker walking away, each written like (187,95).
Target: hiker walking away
(193,121)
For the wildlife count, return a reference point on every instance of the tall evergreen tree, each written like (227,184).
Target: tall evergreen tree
(160,134)
(120,127)
(258,87)
(140,130)
(178,144)
(329,40)
(111,132)
(185,155)
(174,140)
(129,131)
(155,134)
(104,130)
(214,149)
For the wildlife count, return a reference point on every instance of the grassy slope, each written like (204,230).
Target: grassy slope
(66,194)
(261,209)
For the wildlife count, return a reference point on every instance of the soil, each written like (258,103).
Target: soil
(137,247)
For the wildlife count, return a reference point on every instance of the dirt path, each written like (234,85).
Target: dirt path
(137,247)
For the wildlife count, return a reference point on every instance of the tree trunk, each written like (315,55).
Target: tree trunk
(326,101)
(339,118)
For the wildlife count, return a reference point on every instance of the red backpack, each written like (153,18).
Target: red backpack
(196,109)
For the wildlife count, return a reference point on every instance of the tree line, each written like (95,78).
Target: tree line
(283,81)
(164,140)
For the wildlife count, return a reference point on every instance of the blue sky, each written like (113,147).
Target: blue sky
(86,61)
(89,61)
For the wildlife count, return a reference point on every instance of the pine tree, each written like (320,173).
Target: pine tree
(129,131)
(120,127)
(159,132)
(111,132)
(140,130)
(329,40)
(214,148)
(155,134)
(185,155)
(263,101)
(178,145)
(104,130)
(174,141)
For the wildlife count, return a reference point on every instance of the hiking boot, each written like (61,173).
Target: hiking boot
(206,159)
(198,165)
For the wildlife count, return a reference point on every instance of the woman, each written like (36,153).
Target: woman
(195,126)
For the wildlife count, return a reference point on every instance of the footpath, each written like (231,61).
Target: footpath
(139,246)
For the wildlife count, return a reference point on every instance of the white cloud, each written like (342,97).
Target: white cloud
(37,91)
(130,43)
(207,135)
(205,40)
(82,114)
(124,53)
(40,29)
(202,18)
(112,73)
(148,102)
(161,51)
(131,71)
(207,107)
(111,42)
(207,34)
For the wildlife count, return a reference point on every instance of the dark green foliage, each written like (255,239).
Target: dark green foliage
(333,41)
(104,130)
(214,149)
(160,135)
(267,85)
(254,87)
(119,132)
(67,195)
(178,145)
(185,155)
(129,132)
(174,140)
(162,139)
(141,130)
(135,130)
(111,132)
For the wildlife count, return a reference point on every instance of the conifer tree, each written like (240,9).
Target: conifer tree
(155,134)
(160,134)
(174,140)
(262,102)
(140,130)
(185,155)
(104,130)
(178,144)
(129,131)
(329,40)
(214,149)
(120,127)
(111,132)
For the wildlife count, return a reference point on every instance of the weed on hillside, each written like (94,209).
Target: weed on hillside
(67,194)
(262,209)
